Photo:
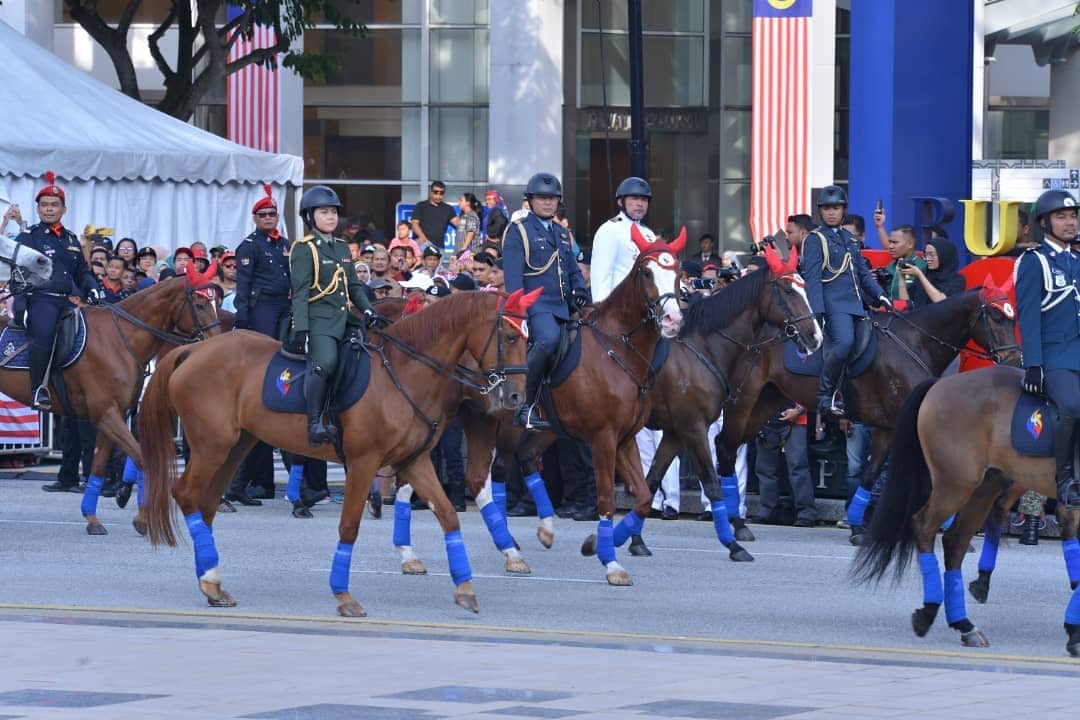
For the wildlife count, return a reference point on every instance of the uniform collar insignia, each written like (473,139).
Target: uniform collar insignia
(56,229)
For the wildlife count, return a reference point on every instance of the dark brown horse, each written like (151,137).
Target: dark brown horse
(103,385)
(952,452)
(403,407)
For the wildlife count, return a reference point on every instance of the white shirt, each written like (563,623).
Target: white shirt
(613,254)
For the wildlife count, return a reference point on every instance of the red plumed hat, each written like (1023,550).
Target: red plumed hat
(51,188)
(265,202)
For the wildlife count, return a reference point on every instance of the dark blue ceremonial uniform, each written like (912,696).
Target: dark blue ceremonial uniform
(71,275)
(262,283)
(536,255)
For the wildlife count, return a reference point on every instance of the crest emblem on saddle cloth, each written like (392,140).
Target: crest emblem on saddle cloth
(284,382)
(9,349)
(1035,424)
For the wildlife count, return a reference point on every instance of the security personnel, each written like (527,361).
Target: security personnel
(613,250)
(262,272)
(537,254)
(1048,310)
(838,286)
(45,302)
(324,286)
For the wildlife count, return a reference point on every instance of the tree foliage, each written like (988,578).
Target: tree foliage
(203,44)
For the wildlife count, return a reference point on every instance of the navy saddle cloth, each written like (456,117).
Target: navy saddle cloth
(283,383)
(1033,426)
(797,363)
(569,354)
(70,343)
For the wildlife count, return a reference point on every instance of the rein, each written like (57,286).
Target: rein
(992,354)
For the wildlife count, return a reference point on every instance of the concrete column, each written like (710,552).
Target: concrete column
(33,18)
(526,92)
(1065,111)
(822,94)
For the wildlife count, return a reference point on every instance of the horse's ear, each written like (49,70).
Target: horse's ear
(679,242)
(792,260)
(1007,286)
(528,300)
(211,273)
(772,259)
(990,291)
(511,303)
(638,238)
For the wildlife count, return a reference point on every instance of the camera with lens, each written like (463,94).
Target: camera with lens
(702,283)
(759,247)
(903,263)
(727,273)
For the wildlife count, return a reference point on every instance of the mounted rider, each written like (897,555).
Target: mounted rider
(537,254)
(45,303)
(613,251)
(838,285)
(1048,312)
(324,288)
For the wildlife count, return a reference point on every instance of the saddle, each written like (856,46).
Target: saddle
(1032,429)
(866,342)
(68,346)
(283,381)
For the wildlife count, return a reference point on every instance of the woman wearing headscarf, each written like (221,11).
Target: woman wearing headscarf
(496,217)
(942,277)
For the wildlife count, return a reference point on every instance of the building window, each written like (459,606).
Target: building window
(1017,133)
(843,96)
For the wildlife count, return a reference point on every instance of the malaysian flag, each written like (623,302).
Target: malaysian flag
(18,423)
(252,93)
(779,153)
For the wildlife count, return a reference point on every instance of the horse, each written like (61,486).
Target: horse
(103,384)
(952,452)
(695,382)
(220,433)
(911,347)
(22,266)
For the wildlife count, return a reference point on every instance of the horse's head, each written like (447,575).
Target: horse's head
(202,296)
(501,356)
(657,266)
(788,306)
(993,323)
(23,264)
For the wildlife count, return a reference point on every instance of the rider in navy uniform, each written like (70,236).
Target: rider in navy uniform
(1048,311)
(537,254)
(262,272)
(838,286)
(45,303)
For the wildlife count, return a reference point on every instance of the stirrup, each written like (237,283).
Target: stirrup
(41,400)
(529,423)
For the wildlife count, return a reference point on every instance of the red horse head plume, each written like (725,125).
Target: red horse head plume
(776,264)
(515,308)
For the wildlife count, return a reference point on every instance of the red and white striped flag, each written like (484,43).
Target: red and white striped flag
(18,423)
(252,93)
(779,153)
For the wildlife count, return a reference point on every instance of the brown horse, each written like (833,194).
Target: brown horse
(103,384)
(220,433)
(756,312)
(952,452)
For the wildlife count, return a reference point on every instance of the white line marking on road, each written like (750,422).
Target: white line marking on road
(755,553)
(41,522)
(515,578)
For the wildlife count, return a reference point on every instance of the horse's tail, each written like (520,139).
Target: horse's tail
(907,488)
(157,418)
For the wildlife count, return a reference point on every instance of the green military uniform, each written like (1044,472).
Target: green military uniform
(324,288)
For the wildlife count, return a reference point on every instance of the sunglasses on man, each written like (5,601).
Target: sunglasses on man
(263,214)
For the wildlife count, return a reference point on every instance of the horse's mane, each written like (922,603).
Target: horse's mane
(718,311)
(936,312)
(423,328)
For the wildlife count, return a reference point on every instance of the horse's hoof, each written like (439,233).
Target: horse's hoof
(413,567)
(226,507)
(517,566)
(140,526)
(1073,649)
(545,536)
(466,598)
(351,608)
(619,578)
(857,538)
(739,554)
(301,511)
(588,548)
(123,494)
(980,588)
(920,623)
(215,596)
(974,638)
(744,534)
(96,528)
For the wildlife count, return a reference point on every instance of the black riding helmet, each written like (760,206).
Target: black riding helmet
(317,197)
(1052,201)
(832,195)
(543,184)
(634,186)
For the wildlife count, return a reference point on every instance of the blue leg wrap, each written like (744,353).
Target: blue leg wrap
(539,493)
(498,496)
(729,485)
(605,546)
(496,525)
(339,570)
(955,609)
(948,523)
(933,592)
(402,523)
(631,524)
(202,537)
(90,495)
(459,561)
(721,522)
(857,509)
(1071,550)
(296,476)
(988,556)
(131,473)
(139,489)
(1072,611)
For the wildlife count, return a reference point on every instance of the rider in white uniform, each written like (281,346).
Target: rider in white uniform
(613,256)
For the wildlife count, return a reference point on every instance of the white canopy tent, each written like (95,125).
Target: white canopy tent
(121,163)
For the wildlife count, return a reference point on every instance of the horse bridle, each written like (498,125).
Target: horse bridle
(199,333)
(18,276)
(791,324)
(992,353)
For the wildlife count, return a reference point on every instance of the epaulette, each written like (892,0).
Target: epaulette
(617,218)
(306,240)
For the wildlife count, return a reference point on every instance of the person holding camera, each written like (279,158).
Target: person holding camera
(901,246)
(941,278)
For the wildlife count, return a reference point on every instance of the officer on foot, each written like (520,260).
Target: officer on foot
(537,254)
(838,285)
(45,303)
(1048,311)
(324,287)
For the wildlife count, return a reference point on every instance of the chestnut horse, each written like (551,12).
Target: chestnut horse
(222,430)
(952,452)
(103,385)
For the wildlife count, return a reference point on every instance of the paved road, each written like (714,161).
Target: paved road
(790,625)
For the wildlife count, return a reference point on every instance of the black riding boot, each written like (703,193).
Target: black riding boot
(39,387)
(1030,534)
(537,362)
(1068,492)
(315,387)
(829,403)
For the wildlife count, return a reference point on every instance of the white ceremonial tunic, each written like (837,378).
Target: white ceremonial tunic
(613,254)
